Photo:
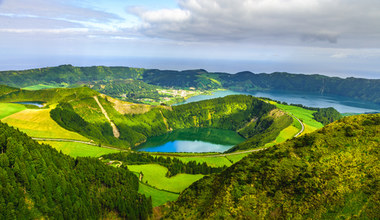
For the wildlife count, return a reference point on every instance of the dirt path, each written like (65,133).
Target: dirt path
(115,131)
(302,128)
(76,141)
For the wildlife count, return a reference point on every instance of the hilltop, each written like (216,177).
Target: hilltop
(328,174)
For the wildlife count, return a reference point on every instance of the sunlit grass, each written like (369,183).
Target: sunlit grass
(154,175)
(78,149)
(7,109)
(38,123)
(159,197)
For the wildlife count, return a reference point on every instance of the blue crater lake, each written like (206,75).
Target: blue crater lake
(342,104)
(38,104)
(192,140)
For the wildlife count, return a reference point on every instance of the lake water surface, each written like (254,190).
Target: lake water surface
(193,140)
(342,104)
(39,104)
(217,140)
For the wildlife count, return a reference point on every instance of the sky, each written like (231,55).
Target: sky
(330,37)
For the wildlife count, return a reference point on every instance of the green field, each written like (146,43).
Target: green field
(159,197)
(7,109)
(44,86)
(236,157)
(305,115)
(37,123)
(154,174)
(78,149)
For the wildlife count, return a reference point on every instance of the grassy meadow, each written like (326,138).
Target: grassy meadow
(37,123)
(154,175)
(43,86)
(7,109)
(305,115)
(159,197)
(78,149)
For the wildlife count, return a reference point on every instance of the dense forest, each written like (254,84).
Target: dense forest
(364,89)
(38,182)
(174,165)
(329,174)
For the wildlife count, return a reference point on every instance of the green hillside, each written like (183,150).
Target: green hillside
(49,96)
(37,182)
(331,173)
(363,89)
(232,113)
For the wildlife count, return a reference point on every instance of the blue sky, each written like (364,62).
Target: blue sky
(333,37)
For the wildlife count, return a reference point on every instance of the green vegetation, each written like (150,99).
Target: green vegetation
(138,91)
(9,109)
(155,175)
(78,149)
(236,157)
(210,161)
(37,123)
(159,197)
(328,174)
(66,117)
(305,115)
(38,182)
(327,115)
(364,89)
(263,131)
(84,116)
(45,86)
(50,96)
(174,165)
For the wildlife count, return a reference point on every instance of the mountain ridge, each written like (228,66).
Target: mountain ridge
(357,88)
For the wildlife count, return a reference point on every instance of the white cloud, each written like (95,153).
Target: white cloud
(306,22)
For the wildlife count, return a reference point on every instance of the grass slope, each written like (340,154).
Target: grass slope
(44,86)
(331,173)
(37,123)
(78,149)
(159,197)
(155,176)
(305,115)
(7,109)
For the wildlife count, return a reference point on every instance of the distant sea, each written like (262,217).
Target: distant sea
(229,66)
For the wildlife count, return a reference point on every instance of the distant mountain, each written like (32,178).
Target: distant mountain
(363,89)
(332,173)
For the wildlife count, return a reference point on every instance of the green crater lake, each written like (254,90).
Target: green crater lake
(193,140)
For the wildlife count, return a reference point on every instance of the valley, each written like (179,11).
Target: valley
(172,137)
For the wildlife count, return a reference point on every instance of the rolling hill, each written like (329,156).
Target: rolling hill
(328,174)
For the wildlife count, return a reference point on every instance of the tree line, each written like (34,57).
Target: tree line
(174,165)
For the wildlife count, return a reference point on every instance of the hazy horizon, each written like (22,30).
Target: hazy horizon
(329,37)
(228,66)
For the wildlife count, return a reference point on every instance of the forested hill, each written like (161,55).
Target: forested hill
(37,182)
(332,173)
(364,89)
